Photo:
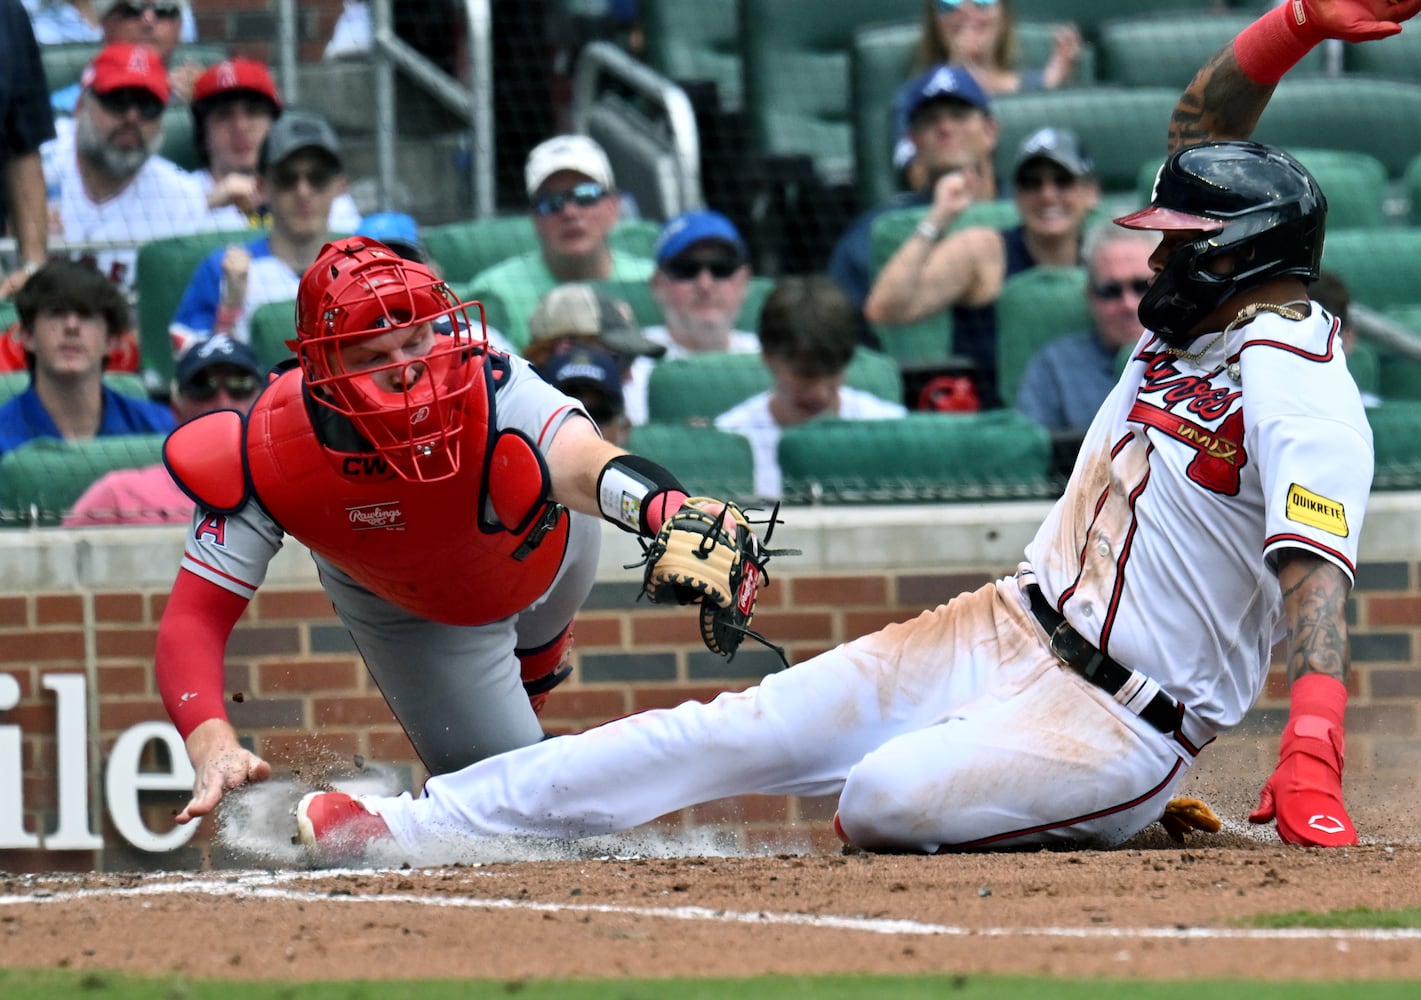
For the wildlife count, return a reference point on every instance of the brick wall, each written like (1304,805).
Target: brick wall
(88,602)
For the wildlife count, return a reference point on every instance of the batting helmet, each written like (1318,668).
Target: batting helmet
(408,396)
(1257,205)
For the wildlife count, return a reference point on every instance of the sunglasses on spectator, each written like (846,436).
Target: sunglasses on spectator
(125,99)
(721,268)
(318,178)
(162,11)
(1035,180)
(948,6)
(1111,291)
(205,386)
(584,195)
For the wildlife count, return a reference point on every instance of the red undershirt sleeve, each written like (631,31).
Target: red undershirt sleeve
(191,650)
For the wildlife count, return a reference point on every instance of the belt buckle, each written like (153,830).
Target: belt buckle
(1051,642)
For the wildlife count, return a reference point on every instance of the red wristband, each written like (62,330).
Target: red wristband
(1276,42)
(662,505)
(1320,695)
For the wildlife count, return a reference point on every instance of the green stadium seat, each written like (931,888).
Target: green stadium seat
(1355,185)
(1036,39)
(179,140)
(1412,184)
(1090,15)
(891,228)
(1166,50)
(272,325)
(41,479)
(464,249)
(64,62)
(702,387)
(1122,127)
(1366,115)
(9,315)
(162,273)
(128,383)
(709,461)
(1398,375)
(1397,57)
(797,82)
(694,40)
(1379,264)
(1364,364)
(922,456)
(1396,444)
(1035,307)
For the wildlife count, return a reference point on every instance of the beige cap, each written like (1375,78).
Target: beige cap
(581,310)
(567,152)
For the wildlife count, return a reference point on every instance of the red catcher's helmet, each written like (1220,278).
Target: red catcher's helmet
(359,289)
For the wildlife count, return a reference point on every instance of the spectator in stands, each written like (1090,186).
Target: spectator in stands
(60,21)
(808,333)
(1066,381)
(592,376)
(399,232)
(578,315)
(157,24)
(980,35)
(701,278)
(233,106)
(1331,292)
(105,179)
(70,314)
(948,119)
(1055,190)
(214,374)
(574,205)
(300,176)
(25,125)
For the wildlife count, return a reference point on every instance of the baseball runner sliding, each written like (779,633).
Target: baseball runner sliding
(1214,510)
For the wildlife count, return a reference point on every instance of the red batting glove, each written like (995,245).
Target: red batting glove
(1275,43)
(1352,20)
(1305,791)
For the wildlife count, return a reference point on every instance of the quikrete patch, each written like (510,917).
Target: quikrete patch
(1316,511)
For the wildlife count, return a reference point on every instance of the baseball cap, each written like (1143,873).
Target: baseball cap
(295,131)
(580,310)
(567,152)
(690,228)
(584,368)
(945,83)
(1060,146)
(122,65)
(396,230)
(235,76)
(212,351)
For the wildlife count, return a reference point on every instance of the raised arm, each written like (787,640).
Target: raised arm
(1228,94)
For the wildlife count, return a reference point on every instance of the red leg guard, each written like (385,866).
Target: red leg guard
(544,668)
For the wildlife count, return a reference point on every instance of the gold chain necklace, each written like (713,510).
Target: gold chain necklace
(1244,315)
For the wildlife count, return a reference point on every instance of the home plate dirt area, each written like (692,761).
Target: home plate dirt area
(1151,909)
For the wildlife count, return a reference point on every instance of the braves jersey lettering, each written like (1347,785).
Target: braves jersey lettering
(1317,511)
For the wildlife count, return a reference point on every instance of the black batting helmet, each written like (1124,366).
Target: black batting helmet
(1255,202)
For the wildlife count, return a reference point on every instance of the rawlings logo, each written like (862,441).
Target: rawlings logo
(745,596)
(420,415)
(370,517)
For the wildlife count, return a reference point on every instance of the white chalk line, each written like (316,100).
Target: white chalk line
(265,885)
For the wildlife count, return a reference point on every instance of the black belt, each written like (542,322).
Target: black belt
(1071,648)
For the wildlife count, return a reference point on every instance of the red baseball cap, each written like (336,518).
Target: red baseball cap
(236,75)
(121,65)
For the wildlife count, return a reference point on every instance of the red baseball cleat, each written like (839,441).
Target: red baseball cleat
(337,827)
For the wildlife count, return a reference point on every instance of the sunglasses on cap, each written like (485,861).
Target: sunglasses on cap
(125,99)
(162,11)
(948,6)
(689,269)
(584,195)
(239,385)
(318,178)
(1110,291)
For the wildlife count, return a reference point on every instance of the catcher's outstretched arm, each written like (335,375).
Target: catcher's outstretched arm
(1228,94)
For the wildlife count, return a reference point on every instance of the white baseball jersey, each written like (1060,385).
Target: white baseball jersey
(1191,474)
(161,200)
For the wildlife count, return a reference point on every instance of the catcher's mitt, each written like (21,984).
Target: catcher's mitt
(713,560)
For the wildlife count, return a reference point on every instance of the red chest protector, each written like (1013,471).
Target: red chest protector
(467,550)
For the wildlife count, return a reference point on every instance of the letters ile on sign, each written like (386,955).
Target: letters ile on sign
(123,780)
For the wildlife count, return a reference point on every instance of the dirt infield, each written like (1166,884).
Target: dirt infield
(1152,910)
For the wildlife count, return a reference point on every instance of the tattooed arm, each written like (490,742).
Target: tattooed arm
(1227,96)
(1304,793)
